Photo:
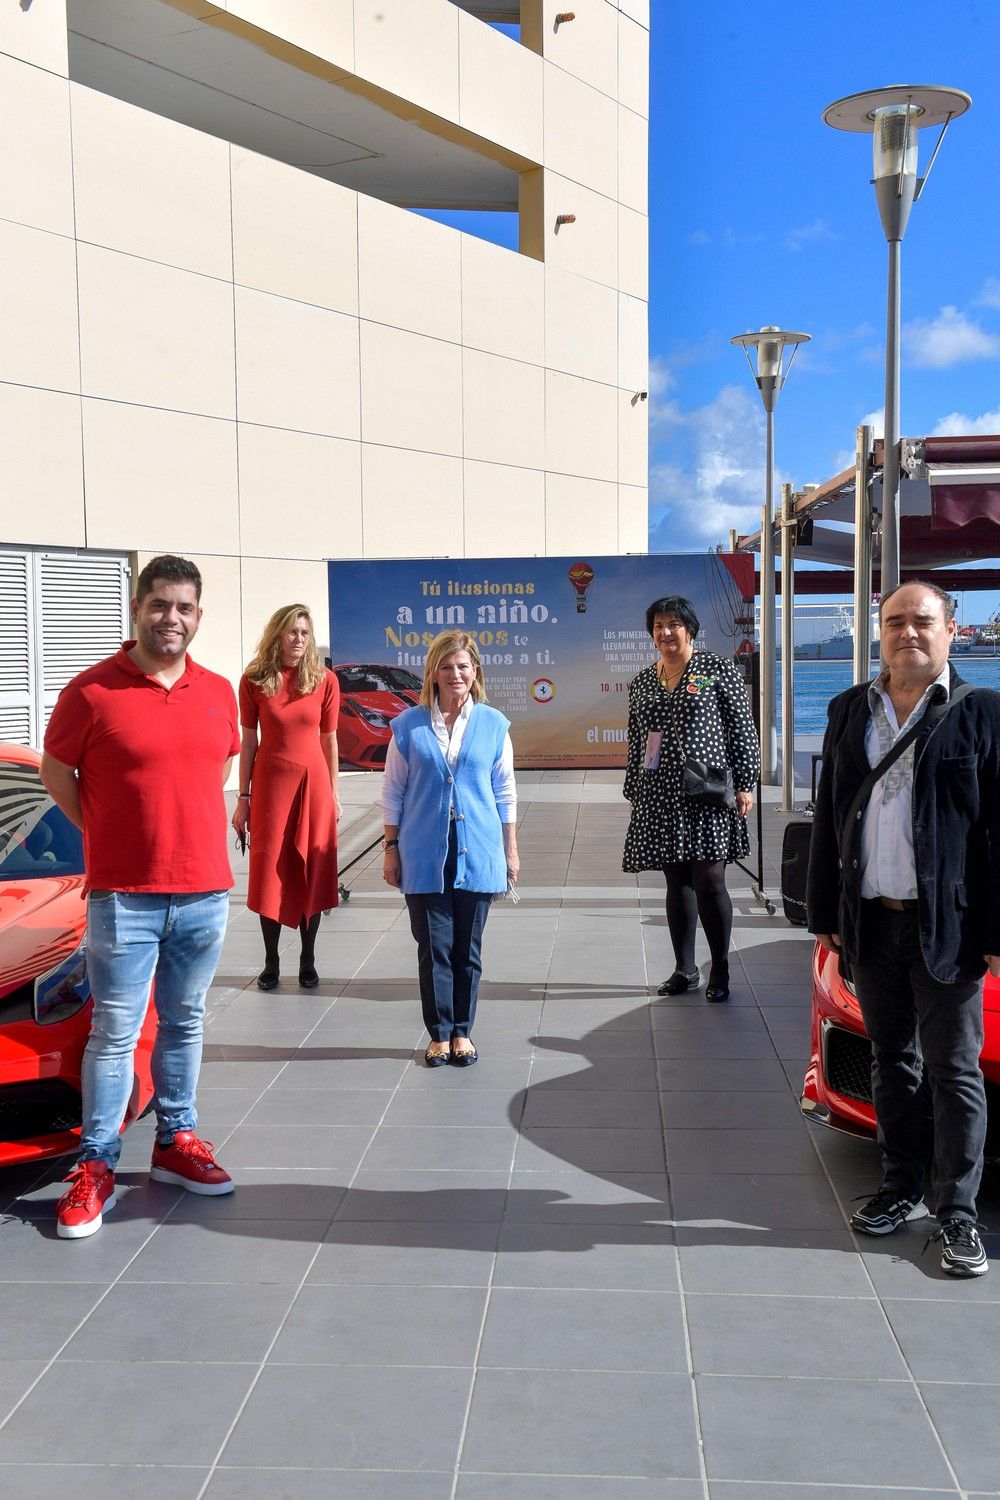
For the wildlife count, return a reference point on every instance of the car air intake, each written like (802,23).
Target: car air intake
(848,1064)
(44,1106)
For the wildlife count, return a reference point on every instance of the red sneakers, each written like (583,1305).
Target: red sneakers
(188,1163)
(81,1208)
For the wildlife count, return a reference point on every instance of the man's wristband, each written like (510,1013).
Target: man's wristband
(390,844)
(243,796)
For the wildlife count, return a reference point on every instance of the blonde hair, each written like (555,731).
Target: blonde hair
(265,669)
(442,646)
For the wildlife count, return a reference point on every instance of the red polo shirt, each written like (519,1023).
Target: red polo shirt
(149,761)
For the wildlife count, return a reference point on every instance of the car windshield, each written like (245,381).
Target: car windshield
(36,839)
(376,679)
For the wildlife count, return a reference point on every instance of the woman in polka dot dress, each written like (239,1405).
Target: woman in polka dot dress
(688,703)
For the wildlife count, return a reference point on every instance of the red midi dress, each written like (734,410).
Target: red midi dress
(293,820)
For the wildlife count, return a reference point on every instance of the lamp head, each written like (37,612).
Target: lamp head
(770,343)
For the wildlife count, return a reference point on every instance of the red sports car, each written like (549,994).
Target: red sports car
(44,996)
(838,1087)
(371,695)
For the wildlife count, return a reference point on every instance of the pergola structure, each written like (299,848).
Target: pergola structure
(949,515)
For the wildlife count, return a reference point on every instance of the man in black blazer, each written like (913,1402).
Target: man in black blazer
(910,896)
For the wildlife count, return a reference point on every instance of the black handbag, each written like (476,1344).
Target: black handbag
(711,785)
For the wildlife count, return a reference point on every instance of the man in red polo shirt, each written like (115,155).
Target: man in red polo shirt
(137,753)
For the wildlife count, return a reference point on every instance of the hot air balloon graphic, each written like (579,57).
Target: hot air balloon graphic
(581,576)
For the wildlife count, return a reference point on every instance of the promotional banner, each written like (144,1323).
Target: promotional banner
(560,640)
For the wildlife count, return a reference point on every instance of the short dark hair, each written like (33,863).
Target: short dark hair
(171,570)
(947,600)
(674,604)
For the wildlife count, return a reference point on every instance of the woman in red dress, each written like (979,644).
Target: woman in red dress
(288,798)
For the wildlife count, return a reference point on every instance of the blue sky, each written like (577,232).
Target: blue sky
(761,214)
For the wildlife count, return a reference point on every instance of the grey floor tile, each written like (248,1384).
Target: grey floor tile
(753,1202)
(555,1487)
(382,1325)
(780,1335)
(599,1047)
(31,1251)
(329,1065)
(733,1110)
(342,1106)
(490,1072)
(652,1434)
(604,1108)
(904,1266)
(768,1429)
(465,1197)
(949,1340)
(220,1109)
(755,1046)
(398,1253)
(725,1489)
(568,1195)
(288,1147)
(557,1071)
(592,1150)
(455,1107)
(548,1328)
(17,1376)
(102,1481)
(36,1327)
(234,1074)
(780,1151)
(966,1418)
(573,1018)
(156,1417)
(146,1321)
(715,1075)
(636,1258)
(302,1195)
(334,1415)
(248,1251)
(327,1484)
(444,1147)
(820,1263)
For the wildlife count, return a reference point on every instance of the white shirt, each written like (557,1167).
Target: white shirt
(397,771)
(887,864)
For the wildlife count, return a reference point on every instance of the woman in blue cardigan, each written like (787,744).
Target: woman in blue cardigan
(450,808)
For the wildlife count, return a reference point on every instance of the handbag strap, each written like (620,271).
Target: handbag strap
(929,722)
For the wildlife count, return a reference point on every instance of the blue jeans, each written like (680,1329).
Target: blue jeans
(133,939)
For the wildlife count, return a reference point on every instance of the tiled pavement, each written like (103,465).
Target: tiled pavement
(609,1261)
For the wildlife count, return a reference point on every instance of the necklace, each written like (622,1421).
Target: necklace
(669,682)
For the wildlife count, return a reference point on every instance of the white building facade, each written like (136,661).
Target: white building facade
(226,332)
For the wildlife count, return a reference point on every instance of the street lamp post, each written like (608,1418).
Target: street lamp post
(769,376)
(893,116)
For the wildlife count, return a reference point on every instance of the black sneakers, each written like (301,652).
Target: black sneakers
(962,1252)
(886,1212)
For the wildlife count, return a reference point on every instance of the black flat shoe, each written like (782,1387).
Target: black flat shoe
(679,982)
(308,979)
(718,988)
(267,979)
(436,1059)
(463,1059)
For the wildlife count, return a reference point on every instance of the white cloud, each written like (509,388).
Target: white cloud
(707,473)
(808,234)
(989,295)
(844,457)
(957,424)
(949,339)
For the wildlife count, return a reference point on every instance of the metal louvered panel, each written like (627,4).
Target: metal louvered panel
(17,722)
(83,614)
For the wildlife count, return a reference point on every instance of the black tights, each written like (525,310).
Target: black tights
(308,929)
(697,888)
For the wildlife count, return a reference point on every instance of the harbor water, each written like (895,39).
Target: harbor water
(816,682)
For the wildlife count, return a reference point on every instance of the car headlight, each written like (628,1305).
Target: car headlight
(63,990)
(374,718)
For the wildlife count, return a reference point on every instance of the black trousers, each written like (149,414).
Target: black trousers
(920,1027)
(448,928)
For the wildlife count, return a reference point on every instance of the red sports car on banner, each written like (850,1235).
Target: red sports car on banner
(44,995)
(838,1087)
(371,695)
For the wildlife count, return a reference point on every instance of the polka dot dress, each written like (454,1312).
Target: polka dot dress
(709,713)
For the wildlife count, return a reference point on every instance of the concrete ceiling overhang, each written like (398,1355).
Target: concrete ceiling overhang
(196,65)
(492,10)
